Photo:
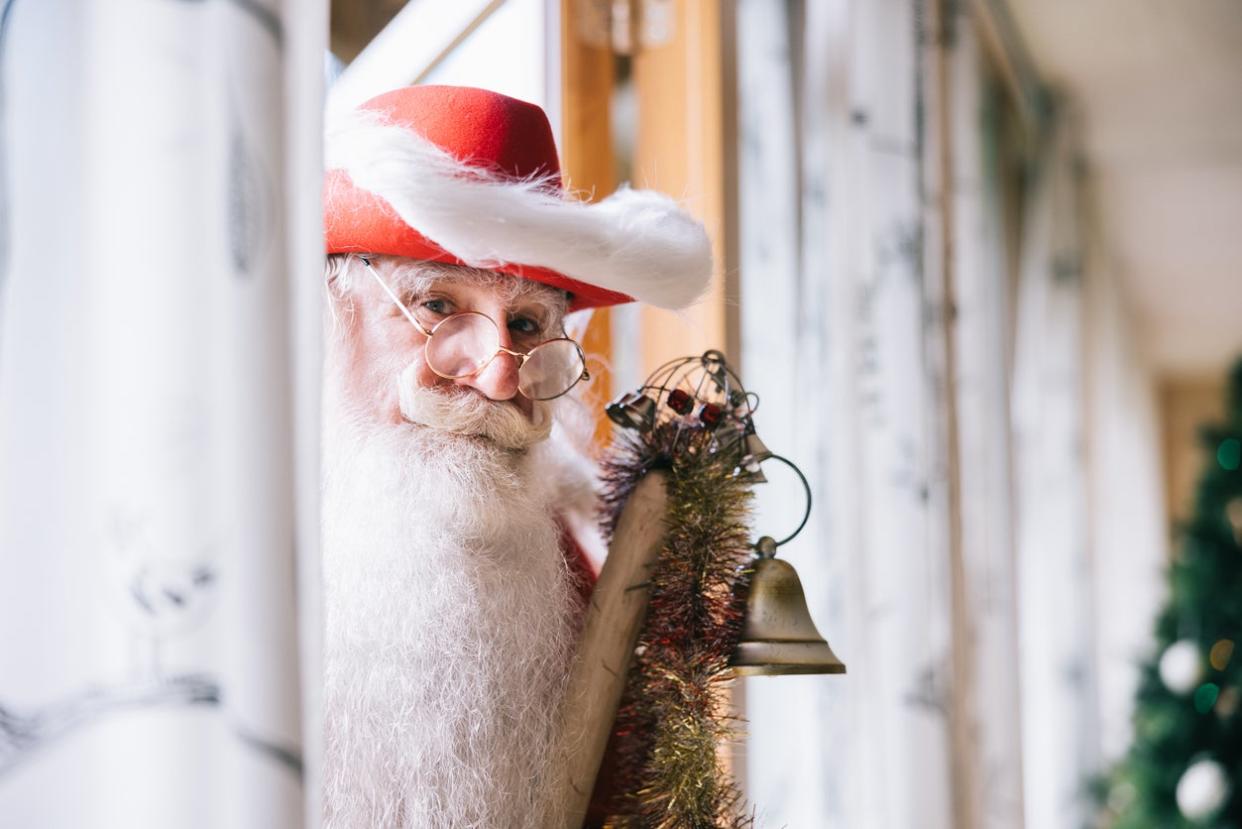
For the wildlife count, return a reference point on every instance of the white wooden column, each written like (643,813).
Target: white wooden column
(1055,592)
(1129,529)
(166,691)
(905,657)
(989,687)
(790,781)
(834,340)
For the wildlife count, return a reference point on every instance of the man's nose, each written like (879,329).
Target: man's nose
(498,379)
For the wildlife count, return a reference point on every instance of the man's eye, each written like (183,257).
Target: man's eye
(436,306)
(524,326)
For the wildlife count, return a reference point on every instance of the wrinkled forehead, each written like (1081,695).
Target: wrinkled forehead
(415,277)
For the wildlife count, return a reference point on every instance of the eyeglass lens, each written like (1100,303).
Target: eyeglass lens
(461,345)
(551,370)
(464,343)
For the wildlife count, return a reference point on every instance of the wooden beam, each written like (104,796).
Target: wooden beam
(686,148)
(587,77)
(354,23)
(588,166)
(939,287)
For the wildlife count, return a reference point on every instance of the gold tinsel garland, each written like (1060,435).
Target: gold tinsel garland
(674,715)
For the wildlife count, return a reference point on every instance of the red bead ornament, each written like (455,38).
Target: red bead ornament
(680,401)
(710,414)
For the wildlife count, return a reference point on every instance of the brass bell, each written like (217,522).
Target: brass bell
(755,454)
(632,410)
(755,448)
(779,635)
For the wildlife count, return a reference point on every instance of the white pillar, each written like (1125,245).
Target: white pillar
(989,688)
(1055,591)
(834,341)
(166,691)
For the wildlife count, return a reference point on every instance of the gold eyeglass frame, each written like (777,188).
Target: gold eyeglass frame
(522,356)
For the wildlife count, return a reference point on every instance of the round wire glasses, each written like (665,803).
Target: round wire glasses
(463,344)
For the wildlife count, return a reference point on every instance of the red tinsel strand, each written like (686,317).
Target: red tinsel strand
(674,713)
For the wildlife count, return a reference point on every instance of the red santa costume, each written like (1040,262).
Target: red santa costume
(452,596)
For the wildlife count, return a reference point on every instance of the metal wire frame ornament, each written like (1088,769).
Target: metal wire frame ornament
(704,393)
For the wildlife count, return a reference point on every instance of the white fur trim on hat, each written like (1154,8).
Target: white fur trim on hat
(637,242)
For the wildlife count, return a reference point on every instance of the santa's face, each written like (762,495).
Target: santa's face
(383,343)
(450,611)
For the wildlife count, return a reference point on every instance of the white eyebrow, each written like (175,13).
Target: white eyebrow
(418,278)
(414,280)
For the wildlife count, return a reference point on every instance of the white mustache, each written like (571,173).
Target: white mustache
(464,412)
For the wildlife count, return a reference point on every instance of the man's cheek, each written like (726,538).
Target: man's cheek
(409,375)
(375,386)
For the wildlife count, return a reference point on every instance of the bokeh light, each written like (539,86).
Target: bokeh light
(1205,697)
(1229,453)
(1221,653)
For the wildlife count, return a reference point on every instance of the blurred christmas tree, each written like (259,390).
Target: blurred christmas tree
(1185,765)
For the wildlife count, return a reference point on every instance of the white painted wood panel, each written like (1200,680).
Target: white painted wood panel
(149,376)
(1059,720)
(833,339)
(990,685)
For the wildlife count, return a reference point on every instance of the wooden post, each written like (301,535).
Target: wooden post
(614,620)
(589,169)
(941,293)
(687,124)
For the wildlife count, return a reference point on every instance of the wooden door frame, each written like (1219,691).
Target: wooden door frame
(685,146)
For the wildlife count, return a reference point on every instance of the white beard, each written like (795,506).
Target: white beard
(450,622)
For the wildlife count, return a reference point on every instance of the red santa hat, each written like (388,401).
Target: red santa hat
(470,177)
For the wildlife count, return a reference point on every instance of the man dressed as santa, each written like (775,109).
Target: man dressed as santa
(453,586)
